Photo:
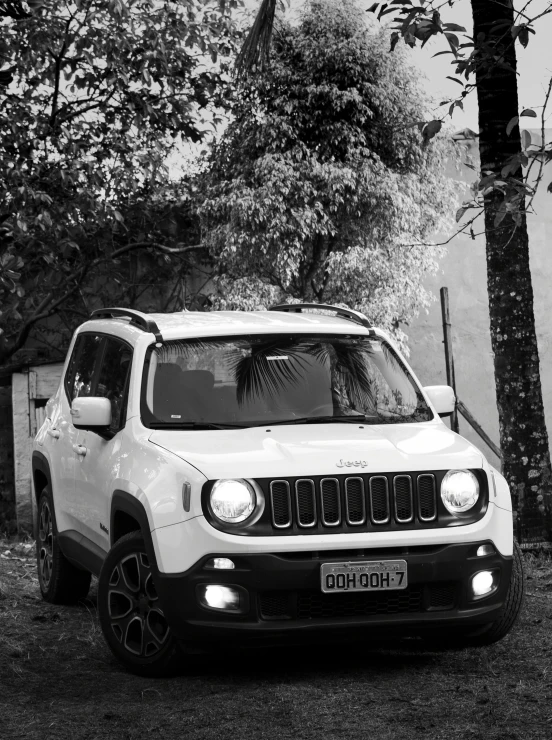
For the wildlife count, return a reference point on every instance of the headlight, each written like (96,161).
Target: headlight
(459,490)
(232,500)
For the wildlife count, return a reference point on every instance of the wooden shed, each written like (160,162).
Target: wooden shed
(32,386)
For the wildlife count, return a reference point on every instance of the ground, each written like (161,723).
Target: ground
(59,680)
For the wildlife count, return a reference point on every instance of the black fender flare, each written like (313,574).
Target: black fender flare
(122,501)
(40,462)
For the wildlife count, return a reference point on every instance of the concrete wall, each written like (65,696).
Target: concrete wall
(463,271)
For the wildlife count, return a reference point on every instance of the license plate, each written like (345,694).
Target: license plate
(377,575)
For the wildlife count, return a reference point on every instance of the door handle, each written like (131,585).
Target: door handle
(80,449)
(54,433)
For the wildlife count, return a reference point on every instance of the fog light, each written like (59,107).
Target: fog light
(483,583)
(220,564)
(215,596)
(483,550)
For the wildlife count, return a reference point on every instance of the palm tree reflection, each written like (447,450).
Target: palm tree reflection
(285,376)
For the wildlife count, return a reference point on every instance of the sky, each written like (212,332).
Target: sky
(534,62)
(534,68)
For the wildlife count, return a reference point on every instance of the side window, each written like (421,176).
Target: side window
(83,365)
(113,379)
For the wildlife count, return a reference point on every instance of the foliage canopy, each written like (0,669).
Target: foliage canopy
(97,95)
(320,188)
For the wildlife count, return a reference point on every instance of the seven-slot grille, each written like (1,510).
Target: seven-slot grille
(372,501)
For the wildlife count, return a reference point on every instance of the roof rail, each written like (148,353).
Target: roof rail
(137,318)
(344,313)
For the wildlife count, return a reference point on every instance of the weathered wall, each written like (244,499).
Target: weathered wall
(7,493)
(463,271)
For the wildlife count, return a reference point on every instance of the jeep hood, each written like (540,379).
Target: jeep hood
(320,449)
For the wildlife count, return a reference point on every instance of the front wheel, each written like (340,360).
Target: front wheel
(131,617)
(495,631)
(511,607)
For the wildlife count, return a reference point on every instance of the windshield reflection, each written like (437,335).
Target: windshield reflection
(278,379)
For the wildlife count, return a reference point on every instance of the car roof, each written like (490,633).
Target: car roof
(190,324)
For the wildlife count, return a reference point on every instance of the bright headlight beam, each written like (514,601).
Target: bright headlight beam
(232,500)
(459,491)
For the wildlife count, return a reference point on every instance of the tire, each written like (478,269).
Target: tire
(489,633)
(131,618)
(510,609)
(60,581)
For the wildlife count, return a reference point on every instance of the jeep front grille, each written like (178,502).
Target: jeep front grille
(353,502)
(306,502)
(358,502)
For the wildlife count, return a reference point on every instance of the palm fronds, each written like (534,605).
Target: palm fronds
(259,375)
(253,56)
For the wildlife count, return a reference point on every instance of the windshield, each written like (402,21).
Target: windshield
(278,379)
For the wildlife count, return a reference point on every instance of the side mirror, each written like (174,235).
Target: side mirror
(90,412)
(442,398)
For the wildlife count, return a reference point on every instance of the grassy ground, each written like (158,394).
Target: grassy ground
(58,680)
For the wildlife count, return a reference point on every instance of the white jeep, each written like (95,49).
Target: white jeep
(262,477)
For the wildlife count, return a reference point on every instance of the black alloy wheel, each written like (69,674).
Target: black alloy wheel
(45,544)
(131,616)
(60,581)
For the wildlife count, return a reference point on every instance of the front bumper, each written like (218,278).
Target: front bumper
(285,603)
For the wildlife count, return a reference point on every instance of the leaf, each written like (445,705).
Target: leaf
(431,129)
(460,212)
(454,27)
(455,79)
(549,188)
(525,139)
(512,123)
(453,40)
(528,112)
(394,40)
(500,215)
(521,33)
(372,8)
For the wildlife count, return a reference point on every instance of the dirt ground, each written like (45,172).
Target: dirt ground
(58,680)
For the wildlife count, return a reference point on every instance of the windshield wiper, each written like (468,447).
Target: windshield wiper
(345,419)
(194,425)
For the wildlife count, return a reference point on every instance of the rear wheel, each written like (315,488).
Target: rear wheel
(131,616)
(60,581)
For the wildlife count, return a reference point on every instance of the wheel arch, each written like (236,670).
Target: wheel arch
(129,515)
(40,473)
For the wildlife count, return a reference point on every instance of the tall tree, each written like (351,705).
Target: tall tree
(523,434)
(488,62)
(320,180)
(99,94)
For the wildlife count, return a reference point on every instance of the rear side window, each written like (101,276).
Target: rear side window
(113,379)
(83,365)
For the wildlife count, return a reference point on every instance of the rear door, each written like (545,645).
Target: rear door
(98,465)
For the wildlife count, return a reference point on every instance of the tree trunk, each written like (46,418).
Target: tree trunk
(523,435)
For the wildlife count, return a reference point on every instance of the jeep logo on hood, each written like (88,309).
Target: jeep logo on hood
(352,464)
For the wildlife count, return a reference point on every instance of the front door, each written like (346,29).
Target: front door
(101,452)
(79,380)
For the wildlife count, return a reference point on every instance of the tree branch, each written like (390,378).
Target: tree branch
(152,245)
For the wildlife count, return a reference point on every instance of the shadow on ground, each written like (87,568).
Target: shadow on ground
(59,680)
